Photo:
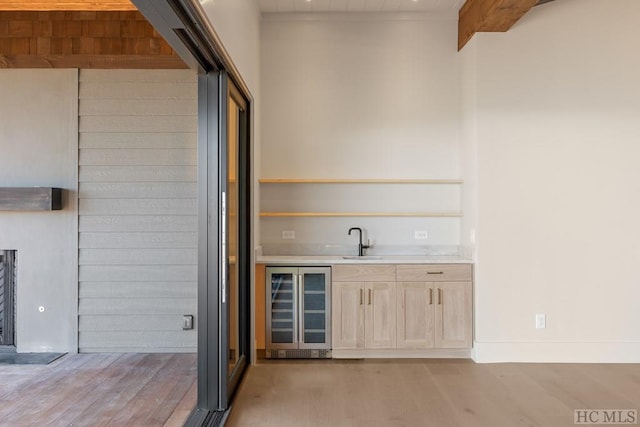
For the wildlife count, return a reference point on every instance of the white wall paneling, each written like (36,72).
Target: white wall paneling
(138,223)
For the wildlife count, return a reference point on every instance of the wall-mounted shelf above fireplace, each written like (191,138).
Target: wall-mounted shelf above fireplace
(30,199)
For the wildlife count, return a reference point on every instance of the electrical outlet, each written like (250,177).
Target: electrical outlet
(421,235)
(541,321)
(187,322)
(288,234)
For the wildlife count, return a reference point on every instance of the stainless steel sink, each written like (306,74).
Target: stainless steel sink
(362,258)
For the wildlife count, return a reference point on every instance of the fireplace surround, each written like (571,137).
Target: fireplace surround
(8,279)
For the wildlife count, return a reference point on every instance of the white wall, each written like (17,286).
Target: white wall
(469,142)
(360,96)
(237,23)
(558,103)
(39,147)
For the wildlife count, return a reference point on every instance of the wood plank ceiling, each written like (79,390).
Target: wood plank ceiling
(80,34)
(79,5)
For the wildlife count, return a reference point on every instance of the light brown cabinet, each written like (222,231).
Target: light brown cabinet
(364,311)
(453,315)
(434,307)
(415,315)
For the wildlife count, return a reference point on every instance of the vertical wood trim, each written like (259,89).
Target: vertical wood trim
(260,305)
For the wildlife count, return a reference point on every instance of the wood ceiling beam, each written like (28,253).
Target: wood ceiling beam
(78,5)
(489,16)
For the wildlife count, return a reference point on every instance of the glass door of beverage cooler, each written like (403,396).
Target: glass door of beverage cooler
(314,308)
(298,310)
(282,297)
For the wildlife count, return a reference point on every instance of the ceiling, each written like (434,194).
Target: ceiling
(67,5)
(360,5)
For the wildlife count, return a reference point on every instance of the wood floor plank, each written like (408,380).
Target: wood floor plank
(182,411)
(92,389)
(620,380)
(47,389)
(447,393)
(62,394)
(149,399)
(160,389)
(115,389)
(534,400)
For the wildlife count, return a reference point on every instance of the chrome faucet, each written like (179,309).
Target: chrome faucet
(361,247)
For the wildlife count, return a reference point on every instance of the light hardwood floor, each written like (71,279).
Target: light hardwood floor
(100,390)
(447,393)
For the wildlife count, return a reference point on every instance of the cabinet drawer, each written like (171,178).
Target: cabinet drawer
(363,273)
(434,273)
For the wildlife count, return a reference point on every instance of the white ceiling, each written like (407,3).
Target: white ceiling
(360,5)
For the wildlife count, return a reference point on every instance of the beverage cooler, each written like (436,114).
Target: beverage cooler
(298,312)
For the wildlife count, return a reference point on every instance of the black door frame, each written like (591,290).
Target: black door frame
(228,90)
(185,26)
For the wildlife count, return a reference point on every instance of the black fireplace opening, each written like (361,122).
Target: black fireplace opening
(8,280)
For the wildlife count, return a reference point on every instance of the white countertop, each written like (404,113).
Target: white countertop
(340,259)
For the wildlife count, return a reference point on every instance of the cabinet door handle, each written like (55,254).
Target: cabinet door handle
(301,308)
(439,296)
(295,309)
(361,295)
(435,272)
(430,296)
(370,297)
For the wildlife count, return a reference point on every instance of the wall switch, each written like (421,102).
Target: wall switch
(421,235)
(187,322)
(288,234)
(541,321)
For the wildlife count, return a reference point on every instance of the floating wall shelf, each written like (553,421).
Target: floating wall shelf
(30,199)
(359,181)
(360,214)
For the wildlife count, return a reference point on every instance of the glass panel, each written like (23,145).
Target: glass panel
(314,338)
(282,308)
(232,230)
(314,282)
(315,309)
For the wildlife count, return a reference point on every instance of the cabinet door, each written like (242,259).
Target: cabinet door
(453,315)
(415,315)
(380,315)
(315,300)
(348,315)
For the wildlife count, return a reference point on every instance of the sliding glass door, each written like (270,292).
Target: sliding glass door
(236,262)
(224,263)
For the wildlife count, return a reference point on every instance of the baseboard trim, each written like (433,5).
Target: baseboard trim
(402,354)
(548,352)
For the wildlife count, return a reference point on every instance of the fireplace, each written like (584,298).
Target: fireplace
(8,279)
